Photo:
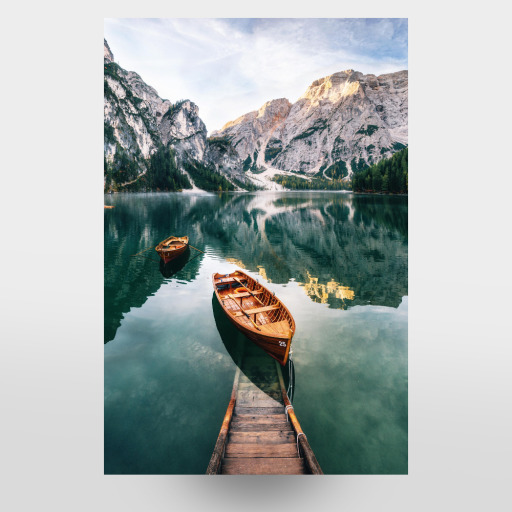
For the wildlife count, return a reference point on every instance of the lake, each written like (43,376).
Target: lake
(339,263)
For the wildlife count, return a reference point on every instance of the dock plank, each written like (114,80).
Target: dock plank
(263,437)
(257,394)
(254,427)
(271,386)
(259,401)
(259,418)
(258,410)
(263,466)
(288,450)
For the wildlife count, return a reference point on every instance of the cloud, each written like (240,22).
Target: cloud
(229,67)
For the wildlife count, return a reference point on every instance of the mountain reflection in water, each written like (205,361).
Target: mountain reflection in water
(342,250)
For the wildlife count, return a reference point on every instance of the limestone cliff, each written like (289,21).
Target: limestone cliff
(342,123)
(137,121)
(347,118)
(108,57)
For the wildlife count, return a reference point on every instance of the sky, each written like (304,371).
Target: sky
(229,67)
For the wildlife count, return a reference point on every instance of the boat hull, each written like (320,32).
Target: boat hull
(175,265)
(278,348)
(171,248)
(275,345)
(169,256)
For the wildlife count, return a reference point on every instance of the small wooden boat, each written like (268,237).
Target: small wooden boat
(172,247)
(256,312)
(108,207)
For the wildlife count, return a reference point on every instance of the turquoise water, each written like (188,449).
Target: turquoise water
(339,263)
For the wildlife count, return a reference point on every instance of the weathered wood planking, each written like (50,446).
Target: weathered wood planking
(266,438)
(258,418)
(260,440)
(284,449)
(257,410)
(279,427)
(263,466)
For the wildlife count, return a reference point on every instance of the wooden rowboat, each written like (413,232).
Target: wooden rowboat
(256,312)
(172,247)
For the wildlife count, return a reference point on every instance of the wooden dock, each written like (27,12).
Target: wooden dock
(260,434)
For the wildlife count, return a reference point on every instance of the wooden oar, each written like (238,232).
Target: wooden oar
(191,259)
(144,250)
(242,309)
(196,249)
(240,282)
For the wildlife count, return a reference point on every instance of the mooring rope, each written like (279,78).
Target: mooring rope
(291,373)
(298,435)
(196,248)
(152,247)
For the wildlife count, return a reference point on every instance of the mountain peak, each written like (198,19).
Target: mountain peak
(347,119)
(274,107)
(334,87)
(108,56)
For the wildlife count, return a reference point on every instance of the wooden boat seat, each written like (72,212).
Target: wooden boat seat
(222,280)
(255,311)
(281,327)
(244,294)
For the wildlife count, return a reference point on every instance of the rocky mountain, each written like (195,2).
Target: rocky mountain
(342,122)
(108,56)
(137,122)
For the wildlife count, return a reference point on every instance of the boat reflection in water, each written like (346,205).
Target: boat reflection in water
(175,265)
(254,362)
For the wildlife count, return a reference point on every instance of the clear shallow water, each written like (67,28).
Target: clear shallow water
(338,261)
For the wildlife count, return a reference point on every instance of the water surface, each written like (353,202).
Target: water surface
(338,261)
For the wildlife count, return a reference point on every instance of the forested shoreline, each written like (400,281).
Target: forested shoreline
(389,176)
